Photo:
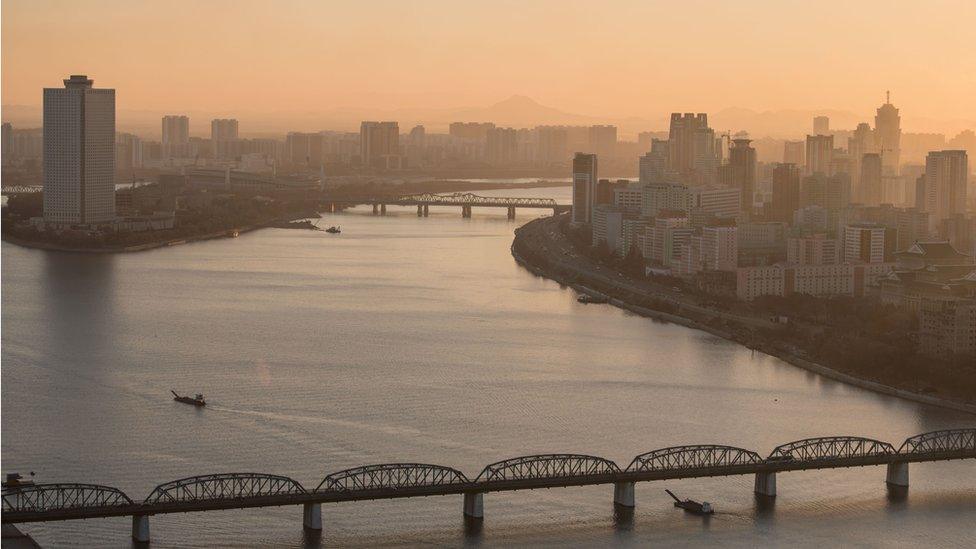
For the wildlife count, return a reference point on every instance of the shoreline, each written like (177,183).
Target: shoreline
(790,358)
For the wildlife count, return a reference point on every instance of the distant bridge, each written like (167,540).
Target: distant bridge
(54,502)
(465,200)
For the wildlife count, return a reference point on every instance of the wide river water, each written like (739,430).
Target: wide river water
(420,339)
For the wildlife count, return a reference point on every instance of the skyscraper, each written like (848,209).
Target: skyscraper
(794,152)
(603,140)
(821,125)
(946,174)
(79,153)
(820,154)
(176,136)
(861,142)
(691,148)
(742,158)
(887,128)
(869,190)
(377,142)
(584,187)
(223,135)
(653,166)
(786,192)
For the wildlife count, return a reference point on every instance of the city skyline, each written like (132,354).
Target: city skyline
(208,72)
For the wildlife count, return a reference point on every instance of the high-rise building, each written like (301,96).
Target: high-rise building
(584,187)
(501,145)
(657,197)
(860,142)
(691,148)
(821,125)
(7,146)
(653,166)
(715,201)
(377,142)
(819,154)
(552,145)
(742,159)
(79,153)
(470,130)
(794,152)
(946,175)
(603,140)
(887,128)
(869,243)
(224,137)
(786,192)
(176,136)
(870,190)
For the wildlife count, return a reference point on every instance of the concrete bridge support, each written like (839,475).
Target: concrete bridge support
(376,209)
(140,528)
(382,209)
(465,211)
(897,474)
(312,516)
(474,505)
(511,212)
(623,494)
(766,484)
(420,210)
(426,210)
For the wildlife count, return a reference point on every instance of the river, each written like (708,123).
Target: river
(420,339)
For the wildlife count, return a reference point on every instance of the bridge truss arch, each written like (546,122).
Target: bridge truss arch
(224,486)
(471,199)
(820,448)
(39,498)
(391,476)
(946,440)
(547,466)
(693,457)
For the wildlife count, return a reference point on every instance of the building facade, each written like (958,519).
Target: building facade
(79,153)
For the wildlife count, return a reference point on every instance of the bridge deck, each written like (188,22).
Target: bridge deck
(332,496)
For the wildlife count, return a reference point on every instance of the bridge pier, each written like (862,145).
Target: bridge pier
(623,494)
(420,210)
(426,210)
(511,212)
(897,474)
(140,528)
(465,211)
(474,505)
(376,209)
(766,484)
(312,516)
(382,209)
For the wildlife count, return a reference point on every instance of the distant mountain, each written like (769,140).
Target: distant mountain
(519,110)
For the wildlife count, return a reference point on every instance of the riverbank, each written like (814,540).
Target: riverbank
(569,273)
(141,247)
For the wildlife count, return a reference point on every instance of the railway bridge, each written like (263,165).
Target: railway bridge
(67,501)
(466,201)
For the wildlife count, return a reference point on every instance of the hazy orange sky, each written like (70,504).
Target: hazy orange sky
(608,58)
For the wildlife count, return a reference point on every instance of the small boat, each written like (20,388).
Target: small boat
(233,234)
(15,480)
(333,230)
(196,400)
(692,506)
(585,298)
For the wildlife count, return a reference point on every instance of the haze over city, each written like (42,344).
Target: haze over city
(310,66)
(497,274)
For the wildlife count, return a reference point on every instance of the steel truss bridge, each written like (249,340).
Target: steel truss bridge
(55,502)
(465,200)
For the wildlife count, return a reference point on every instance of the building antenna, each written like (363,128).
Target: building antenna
(887,97)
